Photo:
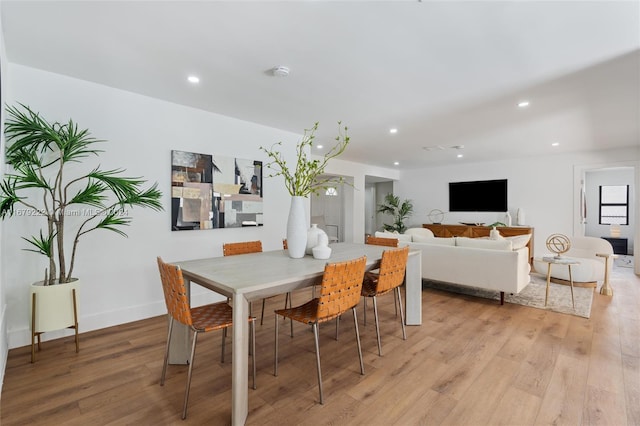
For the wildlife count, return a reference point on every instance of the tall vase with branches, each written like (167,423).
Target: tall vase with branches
(303,181)
(39,154)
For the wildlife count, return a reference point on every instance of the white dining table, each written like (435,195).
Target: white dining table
(254,276)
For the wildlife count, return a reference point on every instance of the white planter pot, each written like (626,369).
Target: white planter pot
(297,228)
(54,306)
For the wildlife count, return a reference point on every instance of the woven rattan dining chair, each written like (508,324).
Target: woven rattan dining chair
(202,319)
(379,241)
(246,247)
(389,278)
(339,292)
(387,242)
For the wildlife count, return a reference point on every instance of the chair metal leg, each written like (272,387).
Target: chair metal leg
(275,357)
(375,313)
(289,297)
(262,313)
(402,321)
(252,324)
(166,351)
(364,304)
(315,335)
(186,392)
(224,339)
(355,322)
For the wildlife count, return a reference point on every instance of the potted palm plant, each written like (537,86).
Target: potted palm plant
(43,181)
(399,210)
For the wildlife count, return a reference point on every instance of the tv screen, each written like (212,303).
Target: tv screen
(478,196)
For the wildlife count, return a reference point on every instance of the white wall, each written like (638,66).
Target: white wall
(4,345)
(616,176)
(120,277)
(542,186)
(355,193)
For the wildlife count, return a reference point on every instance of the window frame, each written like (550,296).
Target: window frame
(601,205)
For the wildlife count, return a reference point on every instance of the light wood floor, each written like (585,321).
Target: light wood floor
(472,362)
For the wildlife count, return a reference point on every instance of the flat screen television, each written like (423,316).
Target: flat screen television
(478,196)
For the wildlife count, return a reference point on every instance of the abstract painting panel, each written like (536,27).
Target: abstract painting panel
(211,191)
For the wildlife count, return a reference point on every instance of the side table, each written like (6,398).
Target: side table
(606,289)
(551,260)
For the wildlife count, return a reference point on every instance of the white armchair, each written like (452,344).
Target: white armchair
(595,256)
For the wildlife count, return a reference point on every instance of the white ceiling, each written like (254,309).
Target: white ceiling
(444,73)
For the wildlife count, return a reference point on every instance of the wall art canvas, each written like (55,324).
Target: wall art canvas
(213,191)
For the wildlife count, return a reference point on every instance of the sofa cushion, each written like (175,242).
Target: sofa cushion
(484,243)
(519,241)
(439,241)
(403,238)
(421,239)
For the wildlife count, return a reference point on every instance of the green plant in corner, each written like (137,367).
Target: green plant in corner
(305,178)
(39,154)
(399,210)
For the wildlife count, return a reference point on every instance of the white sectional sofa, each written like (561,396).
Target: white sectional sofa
(501,265)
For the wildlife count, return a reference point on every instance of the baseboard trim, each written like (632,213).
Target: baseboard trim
(22,337)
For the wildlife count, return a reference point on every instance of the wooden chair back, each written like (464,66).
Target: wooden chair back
(379,241)
(232,249)
(175,293)
(340,289)
(392,268)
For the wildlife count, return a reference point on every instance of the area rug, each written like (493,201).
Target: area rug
(624,261)
(532,295)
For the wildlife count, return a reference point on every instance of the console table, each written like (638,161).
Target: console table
(619,244)
(474,231)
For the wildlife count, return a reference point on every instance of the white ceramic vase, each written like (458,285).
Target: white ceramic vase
(297,228)
(313,235)
(322,249)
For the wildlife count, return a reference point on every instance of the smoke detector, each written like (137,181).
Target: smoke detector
(280,71)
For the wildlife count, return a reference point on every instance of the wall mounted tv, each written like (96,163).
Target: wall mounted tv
(478,196)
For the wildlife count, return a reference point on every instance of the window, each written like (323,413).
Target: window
(614,204)
(333,192)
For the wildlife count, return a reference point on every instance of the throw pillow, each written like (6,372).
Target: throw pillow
(421,238)
(519,241)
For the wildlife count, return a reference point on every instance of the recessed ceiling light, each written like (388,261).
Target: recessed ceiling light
(193,79)
(555,144)
(394,130)
(396,163)
(320,146)
(460,155)
(523,104)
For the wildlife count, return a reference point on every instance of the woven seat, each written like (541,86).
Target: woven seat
(379,241)
(339,292)
(389,278)
(232,249)
(202,319)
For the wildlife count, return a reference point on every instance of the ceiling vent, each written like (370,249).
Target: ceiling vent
(280,71)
